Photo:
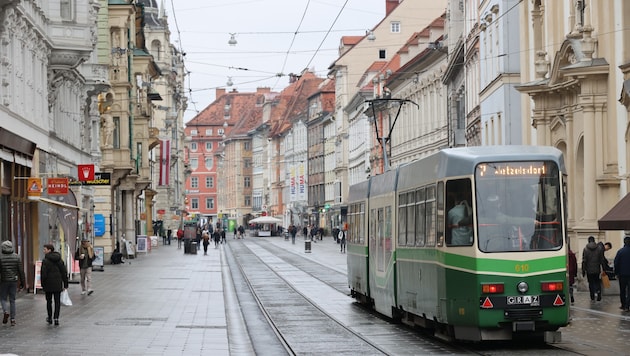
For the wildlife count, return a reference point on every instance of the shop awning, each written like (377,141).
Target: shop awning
(55,202)
(618,217)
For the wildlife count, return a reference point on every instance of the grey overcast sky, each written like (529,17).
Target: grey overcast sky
(274,38)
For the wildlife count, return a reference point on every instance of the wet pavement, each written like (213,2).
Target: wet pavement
(169,303)
(161,303)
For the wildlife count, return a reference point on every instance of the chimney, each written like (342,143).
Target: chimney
(263,90)
(390,5)
(220,93)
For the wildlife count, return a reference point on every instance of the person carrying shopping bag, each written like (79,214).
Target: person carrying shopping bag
(54,277)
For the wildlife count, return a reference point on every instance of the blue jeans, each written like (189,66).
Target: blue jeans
(624,286)
(8,289)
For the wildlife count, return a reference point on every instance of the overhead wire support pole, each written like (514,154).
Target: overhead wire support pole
(382,105)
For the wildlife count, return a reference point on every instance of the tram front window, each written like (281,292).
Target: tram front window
(518,205)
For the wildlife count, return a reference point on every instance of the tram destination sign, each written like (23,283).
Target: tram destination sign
(515,169)
(100,178)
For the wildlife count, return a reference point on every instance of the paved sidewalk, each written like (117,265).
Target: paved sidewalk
(160,303)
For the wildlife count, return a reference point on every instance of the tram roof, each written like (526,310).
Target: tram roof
(461,161)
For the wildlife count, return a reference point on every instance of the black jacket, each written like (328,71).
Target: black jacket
(11,269)
(54,273)
(592,258)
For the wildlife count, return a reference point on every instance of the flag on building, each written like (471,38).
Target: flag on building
(165,161)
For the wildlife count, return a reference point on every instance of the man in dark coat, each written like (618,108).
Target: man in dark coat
(592,263)
(54,275)
(622,270)
(11,280)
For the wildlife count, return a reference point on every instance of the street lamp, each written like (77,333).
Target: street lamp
(232,40)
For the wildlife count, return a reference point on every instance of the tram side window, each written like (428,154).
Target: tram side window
(402,219)
(430,214)
(421,236)
(411,214)
(361,224)
(459,231)
(356,219)
(439,227)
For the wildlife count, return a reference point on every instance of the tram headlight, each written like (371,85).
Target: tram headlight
(523,287)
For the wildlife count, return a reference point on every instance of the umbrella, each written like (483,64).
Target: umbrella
(266,220)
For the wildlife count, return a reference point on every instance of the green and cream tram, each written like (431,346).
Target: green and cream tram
(468,242)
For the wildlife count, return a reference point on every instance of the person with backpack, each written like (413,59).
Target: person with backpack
(12,280)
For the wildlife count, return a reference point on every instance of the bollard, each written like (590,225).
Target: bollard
(307,246)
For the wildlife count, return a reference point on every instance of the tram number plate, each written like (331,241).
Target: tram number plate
(523,300)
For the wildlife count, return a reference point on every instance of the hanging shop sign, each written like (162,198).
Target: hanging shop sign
(100,178)
(57,186)
(34,187)
(86,172)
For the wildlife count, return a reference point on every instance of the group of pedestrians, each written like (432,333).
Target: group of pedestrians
(595,266)
(53,277)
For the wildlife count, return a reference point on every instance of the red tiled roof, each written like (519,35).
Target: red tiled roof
(292,102)
(350,40)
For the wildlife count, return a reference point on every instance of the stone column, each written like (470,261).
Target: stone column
(590,164)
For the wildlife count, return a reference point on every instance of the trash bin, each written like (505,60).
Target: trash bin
(186,246)
(193,248)
(307,246)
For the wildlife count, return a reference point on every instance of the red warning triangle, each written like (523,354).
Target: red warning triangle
(558,301)
(487,304)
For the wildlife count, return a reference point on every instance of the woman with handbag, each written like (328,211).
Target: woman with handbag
(54,277)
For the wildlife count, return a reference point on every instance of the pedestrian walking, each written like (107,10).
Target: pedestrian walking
(180,237)
(206,241)
(216,236)
(54,277)
(85,256)
(222,236)
(11,280)
(335,233)
(293,232)
(573,271)
(592,264)
(198,237)
(342,238)
(622,270)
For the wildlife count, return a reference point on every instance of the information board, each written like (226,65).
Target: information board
(130,251)
(141,242)
(38,276)
(98,262)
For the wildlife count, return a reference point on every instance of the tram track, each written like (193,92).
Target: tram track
(292,272)
(301,325)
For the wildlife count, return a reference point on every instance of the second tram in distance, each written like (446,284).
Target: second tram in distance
(468,242)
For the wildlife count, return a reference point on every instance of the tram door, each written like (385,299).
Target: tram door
(381,247)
